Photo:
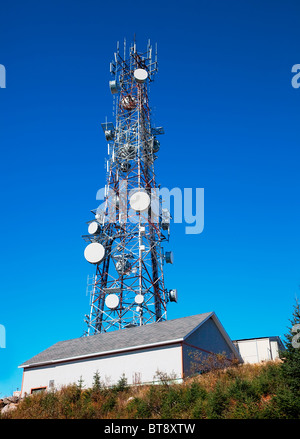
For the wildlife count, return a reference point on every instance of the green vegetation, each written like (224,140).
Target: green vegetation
(240,392)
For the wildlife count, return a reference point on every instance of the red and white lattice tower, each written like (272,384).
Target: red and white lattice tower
(129,229)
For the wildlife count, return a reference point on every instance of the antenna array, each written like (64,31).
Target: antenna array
(128,231)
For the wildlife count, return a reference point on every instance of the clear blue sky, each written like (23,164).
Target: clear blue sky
(231,117)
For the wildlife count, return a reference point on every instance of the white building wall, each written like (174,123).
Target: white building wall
(142,364)
(248,351)
(274,349)
(257,350)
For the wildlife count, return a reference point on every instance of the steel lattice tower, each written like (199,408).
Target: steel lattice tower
(127,235)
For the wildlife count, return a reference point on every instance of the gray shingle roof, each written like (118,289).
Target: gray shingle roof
(130,338)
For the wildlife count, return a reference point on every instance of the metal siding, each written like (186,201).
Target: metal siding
(111,367)
(248,351)
(257,350)
(207,338)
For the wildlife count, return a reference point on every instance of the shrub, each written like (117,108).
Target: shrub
(194,392)
(287,404)
(243,390)
(164,378)
(217,402)
(109,404)
(243,409)
(121,385)
(50,404)
(269,379)
(139,409)
(199,410)
(173,403)
(251,392)
(205,362)
(153,398)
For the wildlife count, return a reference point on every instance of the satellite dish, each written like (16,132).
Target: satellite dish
(114,86)
(94,253)
(93,228)
(156,145)
(139,299)
(140,75)
(173,295)
(169,257)
(139,201)
(112,301)
(99,216)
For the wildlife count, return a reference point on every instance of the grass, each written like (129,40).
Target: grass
(240,392)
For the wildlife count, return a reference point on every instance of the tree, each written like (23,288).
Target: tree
(121,385)
(96,387)
(291,357)
(80,383)
(289,398)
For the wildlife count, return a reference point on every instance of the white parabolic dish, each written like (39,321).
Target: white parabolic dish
(112,301)
(139,201)
(94,253)
(173,295)
(139,299)
(140,75)
(93,228)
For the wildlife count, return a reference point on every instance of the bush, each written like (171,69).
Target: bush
(153,398)
(247,392)
(50,405)
(139,409)
(109,404)
(121,385)
(243,390)
(287,404)
(217,403)
(173,403)
(194,392)
(199,410)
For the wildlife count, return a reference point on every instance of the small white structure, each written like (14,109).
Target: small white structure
(137,352)
(256,350)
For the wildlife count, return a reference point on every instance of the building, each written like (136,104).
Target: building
(256,350)
(171,347)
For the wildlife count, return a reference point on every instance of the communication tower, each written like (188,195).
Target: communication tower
(129,229)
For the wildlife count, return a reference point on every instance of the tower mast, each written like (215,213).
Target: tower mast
(127,234)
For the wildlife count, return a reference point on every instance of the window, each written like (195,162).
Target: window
(38,389)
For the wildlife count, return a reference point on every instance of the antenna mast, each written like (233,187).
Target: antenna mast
(127,234)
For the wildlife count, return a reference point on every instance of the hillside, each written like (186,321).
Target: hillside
(240,392)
